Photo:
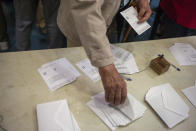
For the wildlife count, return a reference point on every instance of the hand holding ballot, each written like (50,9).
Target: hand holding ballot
(144,10)
(114,86)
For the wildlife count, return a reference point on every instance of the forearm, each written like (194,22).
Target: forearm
(91,28)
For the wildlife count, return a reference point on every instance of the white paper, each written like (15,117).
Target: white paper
(167,104)
(190,93)
(58,73)
(116,116)
(184,53)
(124,61)
(89,70)
(56,116)
(130,15)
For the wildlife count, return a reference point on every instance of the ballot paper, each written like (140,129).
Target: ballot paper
(123,61)
(56,116)
(184,53)
(116,116)
(89,70)
(58,73)
(190,93)
(130,15)
(167,104)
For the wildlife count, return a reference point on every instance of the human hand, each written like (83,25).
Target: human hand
(144,10)
(114,86)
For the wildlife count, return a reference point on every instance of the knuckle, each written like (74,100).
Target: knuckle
(124,95)
(117,98)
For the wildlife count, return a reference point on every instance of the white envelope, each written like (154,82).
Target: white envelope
(167,104)
(56,116)
(190,93)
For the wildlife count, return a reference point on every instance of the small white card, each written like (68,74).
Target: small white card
(130,15)
(58,73)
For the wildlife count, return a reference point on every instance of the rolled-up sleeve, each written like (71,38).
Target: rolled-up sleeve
(91,28)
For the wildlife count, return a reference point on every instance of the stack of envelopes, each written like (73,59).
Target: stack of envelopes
(56,116)
(116,116)
(167,104)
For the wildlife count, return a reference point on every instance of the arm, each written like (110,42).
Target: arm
(91,28)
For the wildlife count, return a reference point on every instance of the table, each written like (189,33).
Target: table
(22,88)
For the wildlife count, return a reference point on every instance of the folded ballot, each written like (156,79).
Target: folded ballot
(184,53)
(116,116)
(167,104)
(56,116)
(58,73)
(123,61)
(190,93)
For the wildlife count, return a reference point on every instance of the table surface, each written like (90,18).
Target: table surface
(22,88)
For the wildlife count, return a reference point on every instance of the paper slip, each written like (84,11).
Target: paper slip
(89,70)
(190,93)
(56,116)
(117,116)
(167,104)
(184,53)
(123,61)
(130,15)
(58,73)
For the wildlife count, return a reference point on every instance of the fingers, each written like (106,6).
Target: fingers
(117,96)
(117,93)
(113,85)
(144,15)
(123,95)
(141,13)
(107,96)
(144,10)
(111,97)
(148,13)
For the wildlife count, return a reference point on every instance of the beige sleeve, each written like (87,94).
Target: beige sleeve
(91,28)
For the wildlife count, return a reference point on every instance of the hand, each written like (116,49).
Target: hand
(144,10)
(115,87)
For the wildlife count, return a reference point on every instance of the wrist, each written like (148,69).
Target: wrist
(106,69)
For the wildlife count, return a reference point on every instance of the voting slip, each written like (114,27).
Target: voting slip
(167,104)
(56,116)
(184,53)
(88,69)
(116,116)
(130,15)
(58,73)
(123,60)
(190,93)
